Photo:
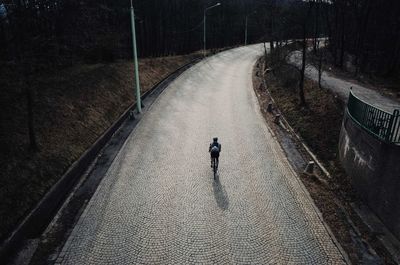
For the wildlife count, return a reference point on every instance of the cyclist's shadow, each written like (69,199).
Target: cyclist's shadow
(220,194)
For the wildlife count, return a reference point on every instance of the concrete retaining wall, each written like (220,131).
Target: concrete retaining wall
(374,169)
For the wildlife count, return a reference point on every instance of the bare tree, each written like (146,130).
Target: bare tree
(316,26)
(31,129)
(304,54)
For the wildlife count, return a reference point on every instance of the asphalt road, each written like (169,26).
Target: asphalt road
(342,87)
(159,204)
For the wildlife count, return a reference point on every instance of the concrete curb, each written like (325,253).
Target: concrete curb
(291,131)
(37,220)
(299,139)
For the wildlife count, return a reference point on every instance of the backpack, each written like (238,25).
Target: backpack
(214,149)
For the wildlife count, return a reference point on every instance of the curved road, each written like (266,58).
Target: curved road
(158,203)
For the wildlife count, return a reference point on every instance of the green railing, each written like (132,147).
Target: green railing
(382,124)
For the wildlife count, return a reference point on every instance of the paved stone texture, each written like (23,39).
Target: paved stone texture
(342,87)
(159,204)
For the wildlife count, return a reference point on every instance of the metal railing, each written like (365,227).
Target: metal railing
(382,124)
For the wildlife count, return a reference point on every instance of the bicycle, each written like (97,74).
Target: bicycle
(215,167)
(214,150)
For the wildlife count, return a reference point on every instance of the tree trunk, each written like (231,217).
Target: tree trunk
(316,28)
(342,42)
(336,35)
(363,26)
(32,137)
(320,69)
(303,59)
(265,51)
(303,68)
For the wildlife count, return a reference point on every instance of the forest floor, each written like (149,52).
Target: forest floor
(319,125)
(72,108)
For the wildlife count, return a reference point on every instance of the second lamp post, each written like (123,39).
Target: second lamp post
(204,31)
(135,58)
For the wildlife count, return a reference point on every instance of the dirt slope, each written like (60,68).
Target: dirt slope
(72,108)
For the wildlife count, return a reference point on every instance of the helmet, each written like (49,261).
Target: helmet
(215,139)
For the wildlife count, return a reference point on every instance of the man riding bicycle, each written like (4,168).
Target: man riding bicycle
(214,150)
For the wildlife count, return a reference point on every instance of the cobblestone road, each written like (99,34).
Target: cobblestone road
(158,203)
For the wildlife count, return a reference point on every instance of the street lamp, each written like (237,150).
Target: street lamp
(138,99)
(245,31)
(204,31)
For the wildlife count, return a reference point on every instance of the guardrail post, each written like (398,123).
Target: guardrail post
(277,118)
(269,107)
(392,126)
(309,168)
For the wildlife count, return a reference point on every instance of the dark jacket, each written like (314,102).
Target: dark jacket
(215,144)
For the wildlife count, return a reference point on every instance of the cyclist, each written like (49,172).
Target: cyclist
(214,150)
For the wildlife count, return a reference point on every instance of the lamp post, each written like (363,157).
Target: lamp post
(138,99)
(204,30)
(245,29)
(245,33)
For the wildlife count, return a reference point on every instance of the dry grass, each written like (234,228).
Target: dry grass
(318,123)
(72,108)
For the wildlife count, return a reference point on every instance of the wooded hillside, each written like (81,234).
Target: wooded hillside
(368,31)
(100,30)
(364,32)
